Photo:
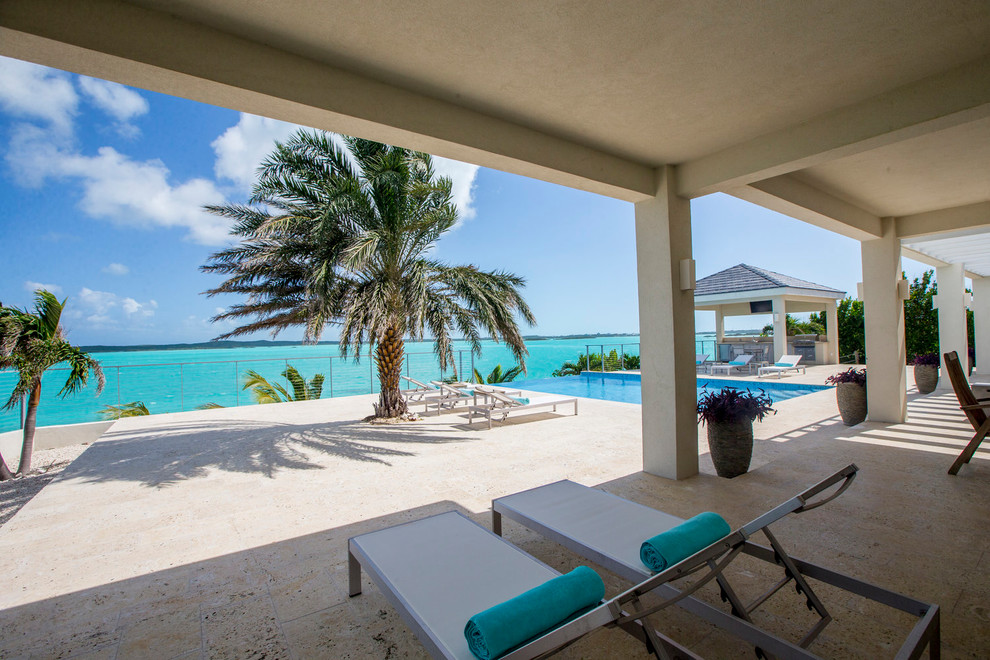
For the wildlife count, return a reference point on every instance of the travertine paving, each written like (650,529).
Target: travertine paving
(223,533)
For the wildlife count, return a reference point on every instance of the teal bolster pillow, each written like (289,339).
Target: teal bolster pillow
(679,543)
(501,628)
(522,400)
(738,363)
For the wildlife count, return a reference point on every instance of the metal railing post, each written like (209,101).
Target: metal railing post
(587,352)
(118,386)
(622,357)
(331,376)
(182,398)
(472,364)
(603,358)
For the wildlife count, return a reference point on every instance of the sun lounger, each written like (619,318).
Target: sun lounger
(739,362)
(501,406)
(975,409)
(609,531)
(439,571)
(420,393)
(452,394)
(701,361)
(785,364)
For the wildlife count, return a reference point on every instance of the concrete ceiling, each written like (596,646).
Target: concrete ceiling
(834,112)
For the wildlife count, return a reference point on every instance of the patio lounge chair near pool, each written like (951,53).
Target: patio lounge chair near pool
(739,362)
(974,408)
(782,366)
(611,531)
(701,361)
(438,572)
(501,406)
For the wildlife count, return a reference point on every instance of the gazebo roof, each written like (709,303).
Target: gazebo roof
(750,278)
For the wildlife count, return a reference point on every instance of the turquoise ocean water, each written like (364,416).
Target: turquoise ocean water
(177,379)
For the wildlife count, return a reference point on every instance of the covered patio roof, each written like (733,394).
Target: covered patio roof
(868,119)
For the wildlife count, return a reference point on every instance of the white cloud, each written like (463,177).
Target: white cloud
(123,191)
(243,146)
(37,92)
(116,269)
(121,103)
(103,309)
(31,287)
(462,176)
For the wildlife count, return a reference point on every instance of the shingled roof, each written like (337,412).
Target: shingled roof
(750,278)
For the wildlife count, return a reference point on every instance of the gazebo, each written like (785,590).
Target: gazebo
(745,290)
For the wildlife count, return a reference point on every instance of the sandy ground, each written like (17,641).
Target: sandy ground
(48,464)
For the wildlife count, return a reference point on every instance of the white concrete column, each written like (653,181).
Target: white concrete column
(981,319)
(832,331)
(886,389)
(952,334)
(719,326)
(666,330)
(779,328)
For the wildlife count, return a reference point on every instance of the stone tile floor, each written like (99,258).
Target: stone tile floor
(222,534)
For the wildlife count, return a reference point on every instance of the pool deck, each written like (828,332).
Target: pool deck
(222,534)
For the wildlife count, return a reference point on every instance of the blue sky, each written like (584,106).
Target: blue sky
(102,187)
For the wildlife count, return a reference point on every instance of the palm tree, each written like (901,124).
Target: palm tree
(266,392)
(31,343)
(132,409)
(497,375)
(343,236)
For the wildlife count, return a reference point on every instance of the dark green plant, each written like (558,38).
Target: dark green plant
(813,326)
(497,375)
(850,375)
(926,360)
(344,236)
(921,317)
(583,363)
(31,343)
(132,409)
(733,405)
(267,392)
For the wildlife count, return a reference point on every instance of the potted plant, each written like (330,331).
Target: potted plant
(729,414)
(850,393)
(926,372)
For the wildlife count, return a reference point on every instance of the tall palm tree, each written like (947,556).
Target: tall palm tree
(344,236)
(31,343)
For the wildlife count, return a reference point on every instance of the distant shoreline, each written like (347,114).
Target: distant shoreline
(205,345)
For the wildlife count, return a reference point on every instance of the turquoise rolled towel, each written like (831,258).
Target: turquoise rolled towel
(501,628)
(520,400)
(679,543)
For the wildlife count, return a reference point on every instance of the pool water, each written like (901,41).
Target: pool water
(627,388)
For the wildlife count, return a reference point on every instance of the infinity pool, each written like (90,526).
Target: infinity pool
(627,388)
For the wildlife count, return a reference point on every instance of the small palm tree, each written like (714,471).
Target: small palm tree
(31,343)
(266,392)
(497,375)
(344,236)
(132,409)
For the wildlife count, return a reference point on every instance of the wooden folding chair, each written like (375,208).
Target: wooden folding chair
(969,404)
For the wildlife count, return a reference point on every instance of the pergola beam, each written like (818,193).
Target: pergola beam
(948,99)
(788,195)
(153,50)
(945,223)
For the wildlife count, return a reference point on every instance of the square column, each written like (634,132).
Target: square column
(886,390)
(952,335)
(666,330)
(981,319)
(832,331)
(779,328)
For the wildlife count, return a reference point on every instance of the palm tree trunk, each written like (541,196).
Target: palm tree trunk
(388,358)
(30,422)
